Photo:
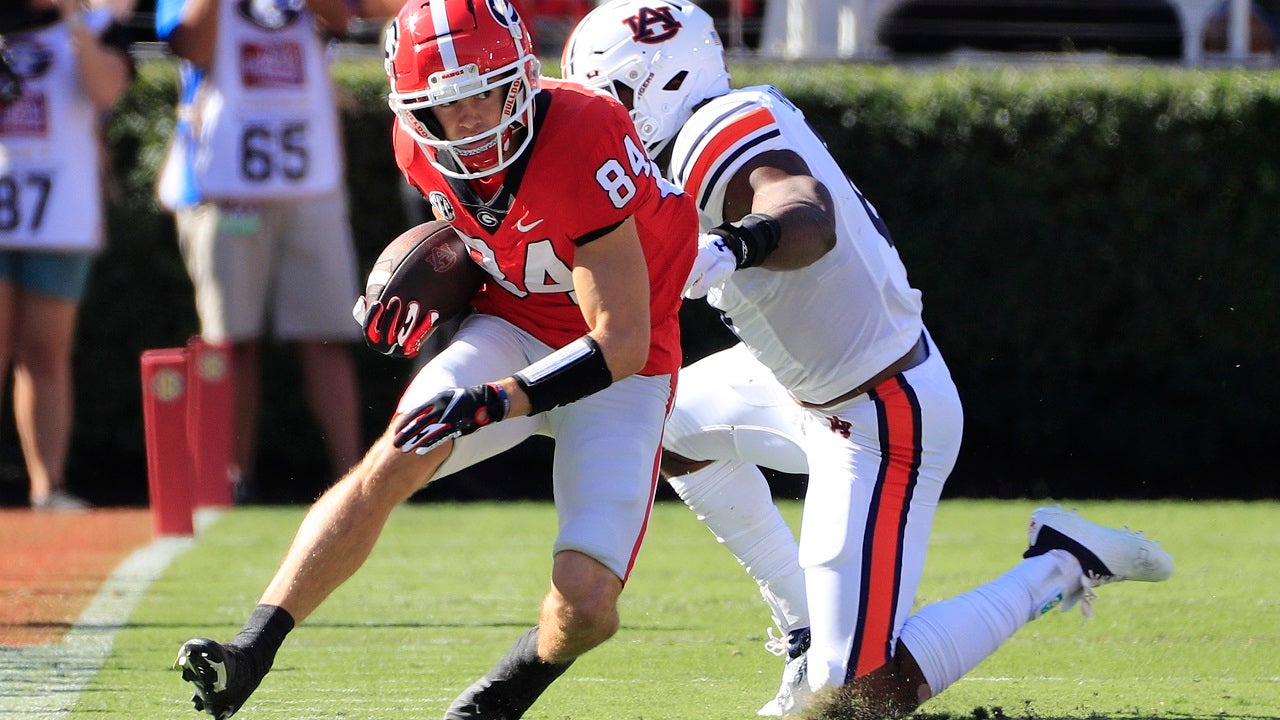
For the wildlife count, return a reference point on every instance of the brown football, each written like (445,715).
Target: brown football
(422,278)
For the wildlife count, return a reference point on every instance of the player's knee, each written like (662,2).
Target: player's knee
(386,471)
(674,465)
(584,599)
(589,609)
(572,625)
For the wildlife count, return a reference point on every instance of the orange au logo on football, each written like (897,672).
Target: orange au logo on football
(442,258)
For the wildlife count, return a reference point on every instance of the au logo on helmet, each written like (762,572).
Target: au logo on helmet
(653,25)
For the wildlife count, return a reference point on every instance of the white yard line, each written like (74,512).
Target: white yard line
(45,681)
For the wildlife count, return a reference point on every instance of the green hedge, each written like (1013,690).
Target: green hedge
(1097,249)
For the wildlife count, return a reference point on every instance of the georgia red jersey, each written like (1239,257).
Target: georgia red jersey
(583,175)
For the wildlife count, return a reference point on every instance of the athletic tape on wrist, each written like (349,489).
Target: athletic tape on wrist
(568,374)
(751,239)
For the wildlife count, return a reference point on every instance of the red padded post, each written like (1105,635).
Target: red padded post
(209,421)
(164,410)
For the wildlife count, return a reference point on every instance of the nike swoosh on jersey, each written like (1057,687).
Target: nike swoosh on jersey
(521,227)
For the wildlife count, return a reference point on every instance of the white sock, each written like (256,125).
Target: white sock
(733,499)
(949,638)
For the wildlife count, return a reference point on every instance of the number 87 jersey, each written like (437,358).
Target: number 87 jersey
(49,187)
(584,173)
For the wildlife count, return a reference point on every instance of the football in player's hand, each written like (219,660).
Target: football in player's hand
(422,278)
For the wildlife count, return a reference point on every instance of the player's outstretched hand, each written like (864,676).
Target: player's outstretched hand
(714,264)
(451,414)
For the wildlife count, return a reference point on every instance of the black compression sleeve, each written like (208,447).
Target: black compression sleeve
(568,374)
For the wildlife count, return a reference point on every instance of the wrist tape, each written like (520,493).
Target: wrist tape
(568,374)
(751,239)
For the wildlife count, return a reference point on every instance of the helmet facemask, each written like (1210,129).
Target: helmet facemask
(495,151)
(430,72)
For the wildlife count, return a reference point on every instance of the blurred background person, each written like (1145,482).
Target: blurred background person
(63,66)
(255,178)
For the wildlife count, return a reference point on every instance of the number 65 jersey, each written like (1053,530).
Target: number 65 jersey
(584,174)
(261,122)
(821,329)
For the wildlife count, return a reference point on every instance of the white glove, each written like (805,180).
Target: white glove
(714,264)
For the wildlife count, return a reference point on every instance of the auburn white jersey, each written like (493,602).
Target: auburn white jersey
(261,121)
(826,328)
(50,196)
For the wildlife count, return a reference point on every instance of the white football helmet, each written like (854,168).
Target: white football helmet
(441,51)
(665,53)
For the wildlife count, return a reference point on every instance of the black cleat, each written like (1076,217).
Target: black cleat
(222,676)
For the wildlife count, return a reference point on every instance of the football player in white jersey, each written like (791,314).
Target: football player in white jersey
(835,375)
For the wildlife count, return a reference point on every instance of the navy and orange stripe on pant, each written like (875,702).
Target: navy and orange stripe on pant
(898,415)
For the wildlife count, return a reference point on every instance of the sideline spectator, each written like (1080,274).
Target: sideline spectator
(63,65)
(255,178)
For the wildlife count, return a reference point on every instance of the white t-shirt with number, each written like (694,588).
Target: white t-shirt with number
(261,123)
(50,191)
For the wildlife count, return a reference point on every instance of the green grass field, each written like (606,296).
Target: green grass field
(449,588)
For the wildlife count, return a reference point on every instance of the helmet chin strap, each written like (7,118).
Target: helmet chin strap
(479,158)
(476,159)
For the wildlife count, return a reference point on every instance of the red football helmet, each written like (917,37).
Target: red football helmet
(440,51)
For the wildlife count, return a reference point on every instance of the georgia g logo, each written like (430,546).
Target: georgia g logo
(653,25)
(390,46)
(505,13)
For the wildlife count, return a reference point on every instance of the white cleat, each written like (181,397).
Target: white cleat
(794,691)
(1105,554)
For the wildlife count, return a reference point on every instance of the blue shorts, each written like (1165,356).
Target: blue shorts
(58,274)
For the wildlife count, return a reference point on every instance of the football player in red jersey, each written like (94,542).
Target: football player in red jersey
(576,336)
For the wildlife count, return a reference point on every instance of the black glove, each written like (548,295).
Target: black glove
(451,414)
